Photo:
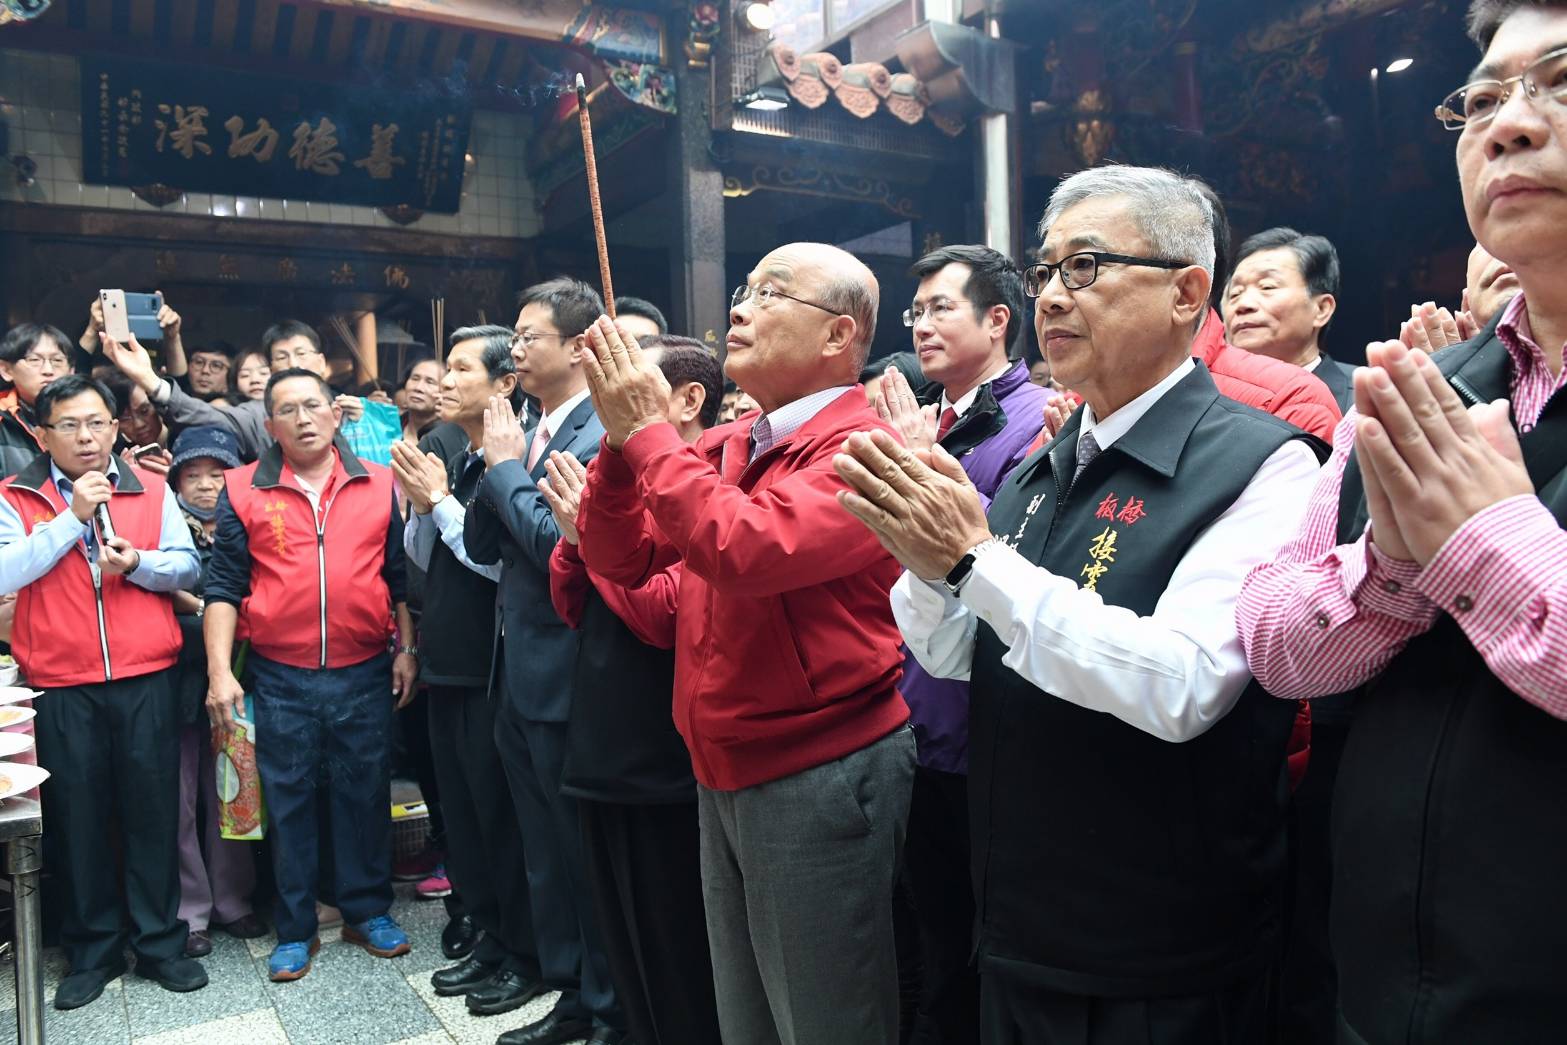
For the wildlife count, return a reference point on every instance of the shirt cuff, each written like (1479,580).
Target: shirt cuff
(986,589)
(162,394)
(647,442)
(1381,584)
(1494,565)
(446,512)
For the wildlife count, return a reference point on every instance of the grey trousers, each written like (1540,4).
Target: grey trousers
(797,875)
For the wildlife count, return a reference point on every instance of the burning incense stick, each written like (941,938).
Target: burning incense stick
(593,194)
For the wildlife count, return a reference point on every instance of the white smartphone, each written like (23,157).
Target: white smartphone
(115,321)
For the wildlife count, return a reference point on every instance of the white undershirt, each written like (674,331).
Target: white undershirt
(1172,674)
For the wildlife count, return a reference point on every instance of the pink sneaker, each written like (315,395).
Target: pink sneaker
(436,886)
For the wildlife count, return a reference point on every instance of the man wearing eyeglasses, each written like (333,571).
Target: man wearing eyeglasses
(1127,777)
(983,409)
(288,344)
(31,356)
(1432,570)
(510,523)
(786,656)
(96,632)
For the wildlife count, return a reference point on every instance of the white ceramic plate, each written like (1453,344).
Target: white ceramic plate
(16,778)
(12,694)
(11,715)
(14,744)
(9,674)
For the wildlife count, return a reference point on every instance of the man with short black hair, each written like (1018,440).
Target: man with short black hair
(981,407)
(31,356)
(509,522)
(208,373)
(1280,299)
(310,543)
(96,549)
(641,317)
(484,849)
(1430,578)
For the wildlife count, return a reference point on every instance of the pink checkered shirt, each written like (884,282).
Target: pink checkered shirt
(1321,619)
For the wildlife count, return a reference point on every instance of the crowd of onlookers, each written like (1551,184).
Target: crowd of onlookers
(972,695)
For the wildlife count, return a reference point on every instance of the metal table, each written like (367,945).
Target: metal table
(21,829)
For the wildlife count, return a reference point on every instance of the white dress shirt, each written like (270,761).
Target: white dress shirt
(551,422)
(1172,674)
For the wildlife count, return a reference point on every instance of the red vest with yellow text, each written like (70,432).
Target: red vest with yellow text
(71,632)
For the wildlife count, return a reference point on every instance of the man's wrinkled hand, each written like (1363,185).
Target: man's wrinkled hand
(225,700)
(629,392)
(422,476)
(89,491)
(405,678)
(133,361)
(504,439)
(562,490)
(117,558)
(898,406)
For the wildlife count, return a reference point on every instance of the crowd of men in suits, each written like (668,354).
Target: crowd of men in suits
(997,705)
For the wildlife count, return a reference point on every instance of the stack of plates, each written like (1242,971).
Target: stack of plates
(15,778)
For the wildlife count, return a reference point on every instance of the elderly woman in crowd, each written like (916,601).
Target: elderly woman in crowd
(216,876)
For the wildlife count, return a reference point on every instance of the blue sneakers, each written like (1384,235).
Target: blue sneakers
(380,936)
(290,961)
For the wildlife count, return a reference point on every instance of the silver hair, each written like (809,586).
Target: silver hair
(1172,214)
(847,296)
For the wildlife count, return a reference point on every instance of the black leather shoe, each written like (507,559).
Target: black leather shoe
(249,927)
(553,1029)
(83,987)
(459,938)
(505,991)
(176,974)
(460,979)
(198,944)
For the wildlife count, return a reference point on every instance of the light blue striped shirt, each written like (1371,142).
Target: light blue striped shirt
(773,428)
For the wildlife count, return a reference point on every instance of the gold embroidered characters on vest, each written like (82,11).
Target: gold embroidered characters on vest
(1100,554)
(275,510)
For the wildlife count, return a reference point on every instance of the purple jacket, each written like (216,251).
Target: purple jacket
(990,440)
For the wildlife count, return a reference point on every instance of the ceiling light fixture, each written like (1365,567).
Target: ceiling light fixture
(758,16)
(764,99)
(1398,65)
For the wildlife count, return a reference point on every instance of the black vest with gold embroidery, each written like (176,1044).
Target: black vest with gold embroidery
(1450,813)
(1107,861)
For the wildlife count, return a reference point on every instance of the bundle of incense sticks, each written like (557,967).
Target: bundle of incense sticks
(593,194)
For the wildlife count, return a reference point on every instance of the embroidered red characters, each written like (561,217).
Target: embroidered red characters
(1101,552)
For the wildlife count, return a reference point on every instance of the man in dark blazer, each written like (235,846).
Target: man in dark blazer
(509,522)
(1281,298)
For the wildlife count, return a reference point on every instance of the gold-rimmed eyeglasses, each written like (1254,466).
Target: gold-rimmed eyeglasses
(1475,104)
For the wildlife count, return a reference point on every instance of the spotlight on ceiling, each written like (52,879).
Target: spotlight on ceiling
(1398,65)
(764,99)
(758,16)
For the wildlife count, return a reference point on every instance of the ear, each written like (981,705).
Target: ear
(271,433)
(693,396)
(579,345)
(505,386)
(999,316)
(841,335)
(7,372)
(1191,294)
(1326,305)
(337,415)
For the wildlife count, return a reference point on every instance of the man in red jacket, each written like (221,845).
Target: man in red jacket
(786,653)
(309,567)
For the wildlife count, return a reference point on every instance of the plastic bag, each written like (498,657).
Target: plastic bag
(374,433)
(242,811)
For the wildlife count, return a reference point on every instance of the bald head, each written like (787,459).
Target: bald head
(841,284)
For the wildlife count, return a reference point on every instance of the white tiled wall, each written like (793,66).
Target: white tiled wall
(40,100)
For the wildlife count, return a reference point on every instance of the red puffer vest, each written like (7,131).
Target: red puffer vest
(73,630)
(318,598)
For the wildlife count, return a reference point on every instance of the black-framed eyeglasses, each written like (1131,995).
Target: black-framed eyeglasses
(1081,269)
(763,295)
(1474,104)
(95,425)
(528,338)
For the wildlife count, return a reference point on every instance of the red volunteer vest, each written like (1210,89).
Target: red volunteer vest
(70,631)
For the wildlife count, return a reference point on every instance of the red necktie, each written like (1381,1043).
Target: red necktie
(949,417)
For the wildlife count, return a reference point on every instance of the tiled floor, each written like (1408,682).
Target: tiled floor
(349,998)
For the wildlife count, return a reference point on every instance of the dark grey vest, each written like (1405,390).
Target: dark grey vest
(1108,861)
(1450,815)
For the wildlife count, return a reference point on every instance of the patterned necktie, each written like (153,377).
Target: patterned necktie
(541,439)
(1087,450)
(949,417)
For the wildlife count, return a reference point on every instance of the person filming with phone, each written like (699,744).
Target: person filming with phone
(95,547)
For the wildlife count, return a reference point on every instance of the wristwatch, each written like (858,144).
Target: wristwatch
(960,573)
(412,651)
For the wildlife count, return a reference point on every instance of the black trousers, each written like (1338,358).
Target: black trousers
(1016,1012)
(1310,981)
(484,854)
(936,874)
(113,754)
(570,950)
(645,875)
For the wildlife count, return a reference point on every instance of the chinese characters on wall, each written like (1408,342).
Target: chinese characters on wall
(226,132)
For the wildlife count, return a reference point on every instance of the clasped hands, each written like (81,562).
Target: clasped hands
(629,392)
(920,504)
(1428,462)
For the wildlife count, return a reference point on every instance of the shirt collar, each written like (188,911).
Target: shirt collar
(550,422)
(1106,432)
(966,400)
(63,484)
(1518,338)
(1312,366)
(777,425)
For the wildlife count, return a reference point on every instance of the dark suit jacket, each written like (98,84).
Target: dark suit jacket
(510,523)
(1340,379)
